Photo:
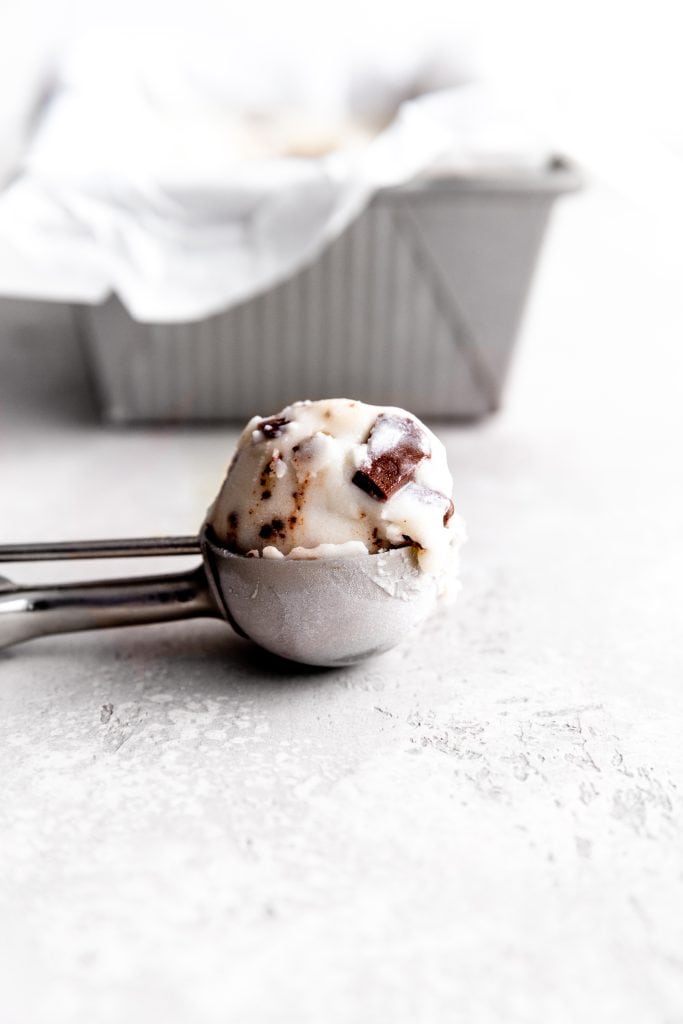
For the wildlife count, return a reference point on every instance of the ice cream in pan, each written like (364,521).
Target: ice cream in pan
(333,534)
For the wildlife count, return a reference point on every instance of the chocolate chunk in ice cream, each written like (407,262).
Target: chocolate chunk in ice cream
(272,427)
(395,448)
(431,497)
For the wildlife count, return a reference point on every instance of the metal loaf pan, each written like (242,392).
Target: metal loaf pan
(417,304)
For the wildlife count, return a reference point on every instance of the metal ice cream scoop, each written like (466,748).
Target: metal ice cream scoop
(327,611)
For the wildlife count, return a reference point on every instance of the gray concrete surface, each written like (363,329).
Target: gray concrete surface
(484,825)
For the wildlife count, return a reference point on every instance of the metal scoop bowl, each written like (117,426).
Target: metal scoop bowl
(327,611)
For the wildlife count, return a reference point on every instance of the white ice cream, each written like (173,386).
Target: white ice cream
(338,477)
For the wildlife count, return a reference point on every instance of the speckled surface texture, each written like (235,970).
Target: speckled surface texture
(484,825)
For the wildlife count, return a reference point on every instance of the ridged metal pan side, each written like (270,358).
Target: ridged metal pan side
(417,303)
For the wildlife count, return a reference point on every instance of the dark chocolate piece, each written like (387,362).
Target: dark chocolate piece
(273,427)
(378,543)
(361,479)
(396,447)
(275,528)
(230,540)
(431,497)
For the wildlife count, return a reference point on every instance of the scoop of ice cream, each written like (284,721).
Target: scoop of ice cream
(338,477)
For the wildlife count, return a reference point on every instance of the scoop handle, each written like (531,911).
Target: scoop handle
(32,611)
(129,547)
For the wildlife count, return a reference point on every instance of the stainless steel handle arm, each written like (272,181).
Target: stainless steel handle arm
(31,611)
(130,547)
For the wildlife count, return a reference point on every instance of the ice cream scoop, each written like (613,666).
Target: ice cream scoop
(321,479)
(331,612)
(335,607)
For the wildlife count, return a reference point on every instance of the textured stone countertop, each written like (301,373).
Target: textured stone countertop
(484,825)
